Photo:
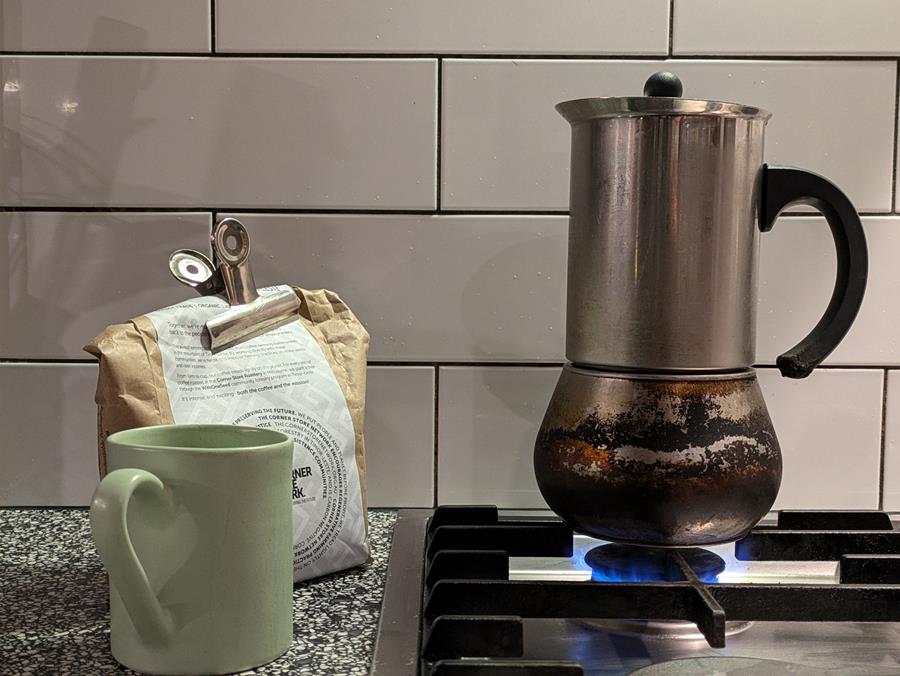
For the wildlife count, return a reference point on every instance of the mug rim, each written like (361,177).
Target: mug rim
(270,438)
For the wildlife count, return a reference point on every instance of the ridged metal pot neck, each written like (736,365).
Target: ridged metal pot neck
(582,110)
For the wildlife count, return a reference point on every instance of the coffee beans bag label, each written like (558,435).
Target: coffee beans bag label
(280,380)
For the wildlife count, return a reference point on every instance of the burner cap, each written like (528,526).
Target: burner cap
(630,563)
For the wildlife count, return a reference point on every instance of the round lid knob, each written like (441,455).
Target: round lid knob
(663,83)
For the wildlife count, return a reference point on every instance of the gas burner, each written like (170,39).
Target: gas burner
(630,563)
(468,592)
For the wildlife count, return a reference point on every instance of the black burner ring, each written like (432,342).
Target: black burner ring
(630,563)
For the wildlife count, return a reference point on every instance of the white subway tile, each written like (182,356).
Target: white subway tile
(145,132)
(65,276)
(472,288)
(429,288)
(48,434)
(892,443)
(829,428)
(49,445)
(505,147)
(400,436)
(796,277)
(487,423)
(798,27)
(441,26)
(105,26)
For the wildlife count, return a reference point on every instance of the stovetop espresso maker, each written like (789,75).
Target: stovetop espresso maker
(657,432)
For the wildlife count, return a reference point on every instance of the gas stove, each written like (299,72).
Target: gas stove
(475,591)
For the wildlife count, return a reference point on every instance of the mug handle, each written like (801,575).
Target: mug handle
(782,186)
(109,524)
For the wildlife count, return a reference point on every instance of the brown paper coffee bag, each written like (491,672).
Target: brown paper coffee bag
(307,379)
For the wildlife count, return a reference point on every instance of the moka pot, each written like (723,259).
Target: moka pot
(657,432)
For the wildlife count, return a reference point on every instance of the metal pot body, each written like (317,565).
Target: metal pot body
(663,240)
(658,461)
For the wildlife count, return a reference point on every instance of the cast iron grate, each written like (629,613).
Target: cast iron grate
(471,619)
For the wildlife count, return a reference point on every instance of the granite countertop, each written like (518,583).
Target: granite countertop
(54,602)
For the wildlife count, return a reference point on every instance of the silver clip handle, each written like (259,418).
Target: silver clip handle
(229,274)
(195,270)
(231,249)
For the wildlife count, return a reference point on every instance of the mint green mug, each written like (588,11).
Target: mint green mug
(193,524)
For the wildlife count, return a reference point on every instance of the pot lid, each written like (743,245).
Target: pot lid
(662,93)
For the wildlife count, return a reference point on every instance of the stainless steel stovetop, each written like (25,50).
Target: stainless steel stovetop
(611,646)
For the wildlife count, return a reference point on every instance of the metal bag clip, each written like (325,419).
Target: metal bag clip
(228,274)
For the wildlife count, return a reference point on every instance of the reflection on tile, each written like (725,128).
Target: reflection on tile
(145,132)
(829,428)
(769,27)
(104,26)
(437,26)
(487,423)
(796,278)
(892,444)
(48,434)
(504,146)
(68,275)
(400,436)
(432,288)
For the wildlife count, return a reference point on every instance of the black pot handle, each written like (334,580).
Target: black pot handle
(782,186)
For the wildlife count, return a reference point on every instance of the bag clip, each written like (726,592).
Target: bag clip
(228,274)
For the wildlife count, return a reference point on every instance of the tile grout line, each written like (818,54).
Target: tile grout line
(438,147)
(212,26)
(884,397)
(7,361)
(434,431)
(894,169)
(361,211)
(671,27)
(550,363)
(546,364)
(254,210)
(486,56)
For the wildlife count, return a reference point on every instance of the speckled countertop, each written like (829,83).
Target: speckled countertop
(54,598)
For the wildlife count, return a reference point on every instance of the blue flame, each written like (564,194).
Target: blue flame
(647,565)
(640,574)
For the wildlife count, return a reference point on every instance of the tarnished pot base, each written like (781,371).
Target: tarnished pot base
(668,462)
